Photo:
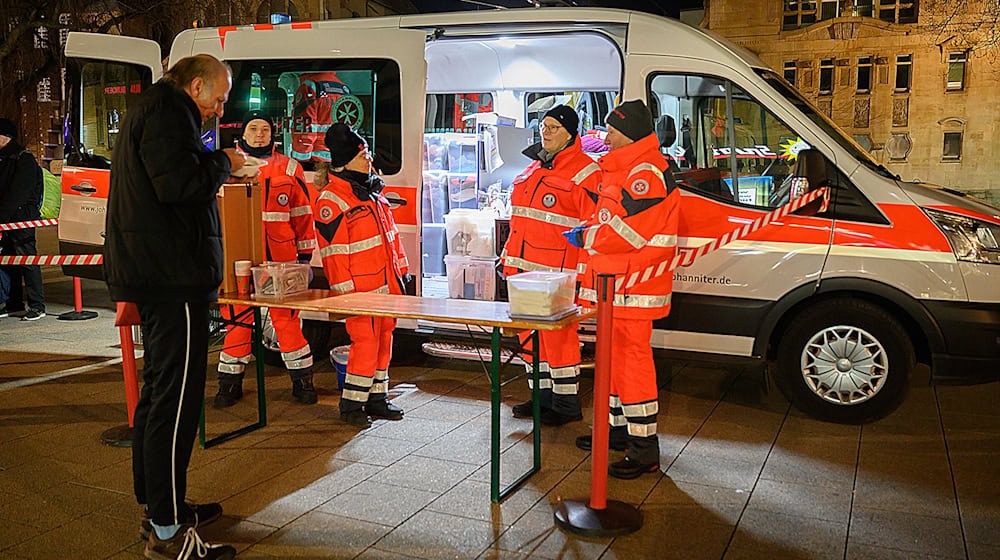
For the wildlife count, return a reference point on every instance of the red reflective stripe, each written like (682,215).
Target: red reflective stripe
(222,34)
(302,25)
(262,26)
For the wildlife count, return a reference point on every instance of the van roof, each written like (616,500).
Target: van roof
(646,33)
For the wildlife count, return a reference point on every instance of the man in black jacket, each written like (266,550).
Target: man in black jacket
(20,197)
(163,251)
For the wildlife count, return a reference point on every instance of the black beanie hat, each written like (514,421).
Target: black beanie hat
(344,144)
(632,119)
(254,115)
(8,128)
(566,117)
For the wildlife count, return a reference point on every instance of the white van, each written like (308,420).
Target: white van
(843,304)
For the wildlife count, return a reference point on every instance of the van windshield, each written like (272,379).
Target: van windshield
(821,120)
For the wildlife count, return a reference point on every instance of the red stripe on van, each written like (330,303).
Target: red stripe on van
(222,34)
(405,214)
(82,181)
(262,26)
(910,229)
(302,25)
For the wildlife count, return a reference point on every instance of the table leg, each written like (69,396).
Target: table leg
(258,352)
(496,494)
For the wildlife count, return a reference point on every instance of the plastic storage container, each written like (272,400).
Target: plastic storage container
(471,278)
(338,357)
(280,279)
(541,294)
(435,248)
(470,233)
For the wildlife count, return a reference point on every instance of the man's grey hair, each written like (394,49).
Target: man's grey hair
(204,66)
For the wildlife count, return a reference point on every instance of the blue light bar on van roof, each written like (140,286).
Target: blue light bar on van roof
(280,18)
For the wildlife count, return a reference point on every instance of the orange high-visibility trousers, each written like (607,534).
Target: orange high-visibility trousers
(559,368)
(633,396)
(295,351)
(368,361)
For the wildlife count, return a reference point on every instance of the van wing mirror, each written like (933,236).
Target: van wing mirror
(812,171)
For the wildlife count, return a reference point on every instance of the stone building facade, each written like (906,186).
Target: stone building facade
(924,103)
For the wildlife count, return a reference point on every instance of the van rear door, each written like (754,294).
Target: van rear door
(104,74)
(310,75)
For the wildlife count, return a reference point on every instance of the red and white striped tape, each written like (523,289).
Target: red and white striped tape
(687,257)
(29,224)
(52,259)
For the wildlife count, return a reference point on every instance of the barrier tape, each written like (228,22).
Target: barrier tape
(688,256)
(29,224)
(52,259)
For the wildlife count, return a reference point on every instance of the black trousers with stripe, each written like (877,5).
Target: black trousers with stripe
(175,344)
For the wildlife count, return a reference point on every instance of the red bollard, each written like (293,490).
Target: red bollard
(599,517)
(78,314)
(121,436)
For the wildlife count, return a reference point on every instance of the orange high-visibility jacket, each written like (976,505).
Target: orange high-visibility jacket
(633,232)
(358,241)
(287,211)
(546,200)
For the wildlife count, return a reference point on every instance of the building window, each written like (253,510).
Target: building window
(826,76)
(904,64)
(789,71)
(897,11)
(864,82)
(863,8)
(799,13)
(829,9)
(956,70)
(952,150)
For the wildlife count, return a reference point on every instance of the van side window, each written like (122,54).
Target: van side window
(107,89)
(591,106)
(304,97)
(446,111)
(721,141)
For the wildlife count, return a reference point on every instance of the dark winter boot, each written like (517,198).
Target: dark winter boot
(378,406)
(303,390)
(353,413)
(230,390)
(642,456)
(617,439)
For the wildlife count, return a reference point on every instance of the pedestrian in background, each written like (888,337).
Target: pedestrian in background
(288,237)
(633,235)
(21,187)
(163,251)
(361,252)
(556,191)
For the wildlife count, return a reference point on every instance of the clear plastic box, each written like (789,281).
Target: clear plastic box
(471,277)
(541,294)
(280,279)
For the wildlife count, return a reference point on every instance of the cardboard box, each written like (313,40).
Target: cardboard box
(242,228)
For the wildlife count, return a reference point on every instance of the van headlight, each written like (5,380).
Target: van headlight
(971,239)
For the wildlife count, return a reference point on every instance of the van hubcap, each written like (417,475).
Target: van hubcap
(844,365)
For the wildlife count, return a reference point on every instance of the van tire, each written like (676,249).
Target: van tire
(880,367)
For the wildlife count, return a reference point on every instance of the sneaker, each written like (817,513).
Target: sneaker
(382,408)
(356,418)
(303,390)
(228,395)
(203,515)
(526,409)
(186,545)
(553,418)
(629,468)
(616,442)
(33,315)
(3,311)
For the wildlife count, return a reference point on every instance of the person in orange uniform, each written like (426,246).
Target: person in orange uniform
(288,237)
(556,191)
(632,234)
(361,252)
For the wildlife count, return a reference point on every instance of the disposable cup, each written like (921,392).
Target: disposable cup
(243,276)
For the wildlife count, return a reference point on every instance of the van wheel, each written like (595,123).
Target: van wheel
(844,361)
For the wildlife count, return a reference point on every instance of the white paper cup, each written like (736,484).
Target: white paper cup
(243,276)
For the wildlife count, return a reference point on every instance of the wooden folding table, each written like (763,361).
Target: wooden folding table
(495,315)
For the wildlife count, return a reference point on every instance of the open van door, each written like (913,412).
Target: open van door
(308,78)
(104,75)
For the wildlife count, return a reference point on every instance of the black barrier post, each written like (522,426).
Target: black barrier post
(600,517)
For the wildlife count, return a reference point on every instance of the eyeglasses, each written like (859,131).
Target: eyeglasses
(549,128)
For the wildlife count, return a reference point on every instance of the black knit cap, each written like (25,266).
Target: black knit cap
(344,144)
(567,117)
(8,129)
(632,119)
(254,115)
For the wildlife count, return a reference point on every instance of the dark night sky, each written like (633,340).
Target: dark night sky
(659,7)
